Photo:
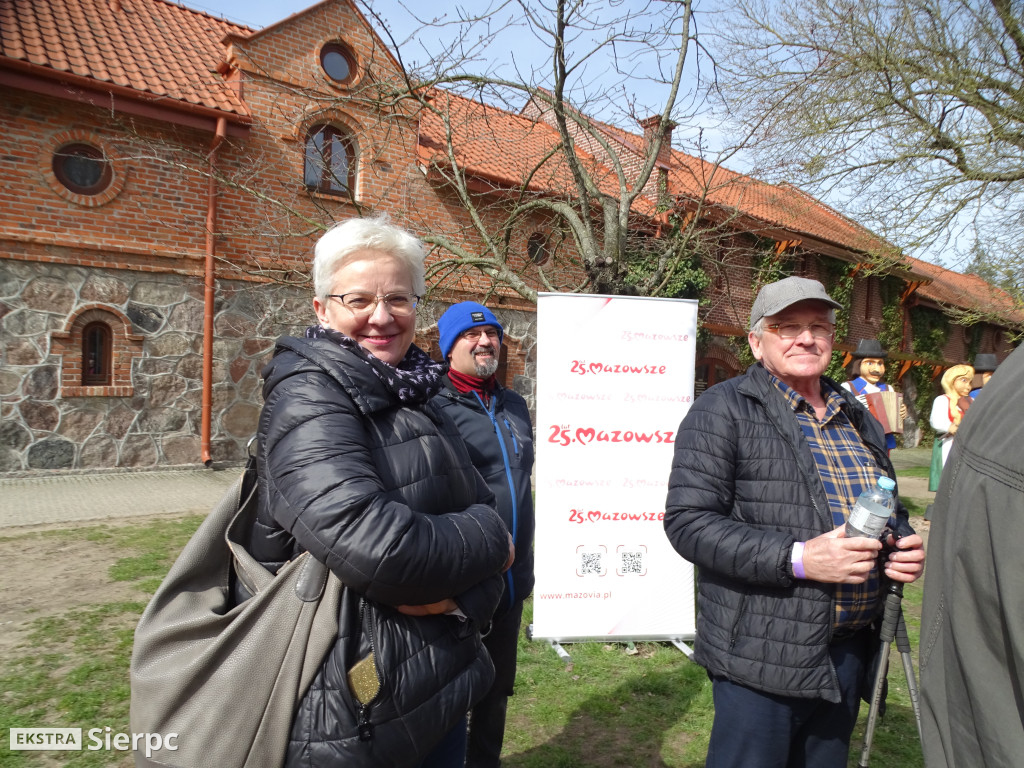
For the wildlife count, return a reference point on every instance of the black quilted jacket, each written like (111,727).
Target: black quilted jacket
(385,495)
(743,488)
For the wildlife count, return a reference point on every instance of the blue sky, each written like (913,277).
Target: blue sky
(263,13)
(512,43)
(252,13)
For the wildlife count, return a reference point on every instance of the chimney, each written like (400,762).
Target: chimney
(652,126)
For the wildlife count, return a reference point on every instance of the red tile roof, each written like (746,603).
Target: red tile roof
(503,148)
(164,50)
(780,206)
(970,292)
(160,49)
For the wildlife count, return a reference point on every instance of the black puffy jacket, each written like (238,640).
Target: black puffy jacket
(743,488)
(500,442)
(386,495)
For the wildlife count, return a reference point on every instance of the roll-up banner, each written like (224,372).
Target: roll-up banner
(614,379)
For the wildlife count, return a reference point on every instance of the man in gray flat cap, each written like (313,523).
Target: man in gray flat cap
(767,467)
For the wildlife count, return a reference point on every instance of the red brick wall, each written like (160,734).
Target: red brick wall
(152,218)
(126,345)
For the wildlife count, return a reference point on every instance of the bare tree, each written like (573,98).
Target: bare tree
(565,135)
(571,136)
(908,114)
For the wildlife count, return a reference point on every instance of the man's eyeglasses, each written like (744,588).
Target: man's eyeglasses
(473,334)
(793,330)
(360,303)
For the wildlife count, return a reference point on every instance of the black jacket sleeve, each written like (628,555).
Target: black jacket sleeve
(711,471)
(324,488)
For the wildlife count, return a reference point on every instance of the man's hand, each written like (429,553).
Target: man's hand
(906,561)
(835,559)
(511,554)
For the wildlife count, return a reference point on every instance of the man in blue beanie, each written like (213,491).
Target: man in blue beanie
(495,423)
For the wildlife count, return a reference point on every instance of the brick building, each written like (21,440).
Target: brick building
(166,173)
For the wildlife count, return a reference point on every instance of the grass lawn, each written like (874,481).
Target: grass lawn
(915,472)
(613,705)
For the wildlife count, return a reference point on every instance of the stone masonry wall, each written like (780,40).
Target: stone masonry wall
(157,424)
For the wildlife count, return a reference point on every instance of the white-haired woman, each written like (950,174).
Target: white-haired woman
(358,467)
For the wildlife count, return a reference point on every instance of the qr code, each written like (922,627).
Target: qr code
(591,562)
(632,562)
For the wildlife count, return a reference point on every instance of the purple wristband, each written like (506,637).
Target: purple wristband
(796,559)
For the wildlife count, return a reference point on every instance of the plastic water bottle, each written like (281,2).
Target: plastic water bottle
(872,510)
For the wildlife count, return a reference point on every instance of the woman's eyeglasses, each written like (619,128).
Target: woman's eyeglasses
(361,303)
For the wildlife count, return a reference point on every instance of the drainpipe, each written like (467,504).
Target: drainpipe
(211,247)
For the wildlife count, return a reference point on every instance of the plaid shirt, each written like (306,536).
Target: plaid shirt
(846,467)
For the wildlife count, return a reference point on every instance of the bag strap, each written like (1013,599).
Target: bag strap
(252,574)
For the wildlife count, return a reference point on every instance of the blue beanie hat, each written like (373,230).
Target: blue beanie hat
(461,317)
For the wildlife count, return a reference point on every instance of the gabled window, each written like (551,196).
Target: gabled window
(96,354)
(330,160)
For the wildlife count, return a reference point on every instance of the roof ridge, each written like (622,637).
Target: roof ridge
(176,4)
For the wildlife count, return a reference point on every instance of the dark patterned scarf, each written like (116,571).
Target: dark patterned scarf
(414,380)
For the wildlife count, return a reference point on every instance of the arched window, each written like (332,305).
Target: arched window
(96,349)
(537,248)
(330,160)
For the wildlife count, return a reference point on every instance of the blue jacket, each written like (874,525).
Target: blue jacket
(500,442)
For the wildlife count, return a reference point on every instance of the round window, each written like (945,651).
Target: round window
(82,168)
(338,62)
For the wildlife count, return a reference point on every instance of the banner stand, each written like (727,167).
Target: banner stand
(567,658)
(684,648)
(614,379)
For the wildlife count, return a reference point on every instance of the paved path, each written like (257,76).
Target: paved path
(79,497)
(97,496)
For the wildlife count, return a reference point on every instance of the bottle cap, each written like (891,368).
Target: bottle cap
(887,483)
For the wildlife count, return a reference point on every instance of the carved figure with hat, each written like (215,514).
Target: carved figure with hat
(867,370)
(985,364)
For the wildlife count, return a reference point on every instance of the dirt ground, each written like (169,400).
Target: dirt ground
(47,573)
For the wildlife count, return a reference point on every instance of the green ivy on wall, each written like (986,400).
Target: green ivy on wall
(930,331)
(891,333)
(687,278)
(839,282)
(769,266)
